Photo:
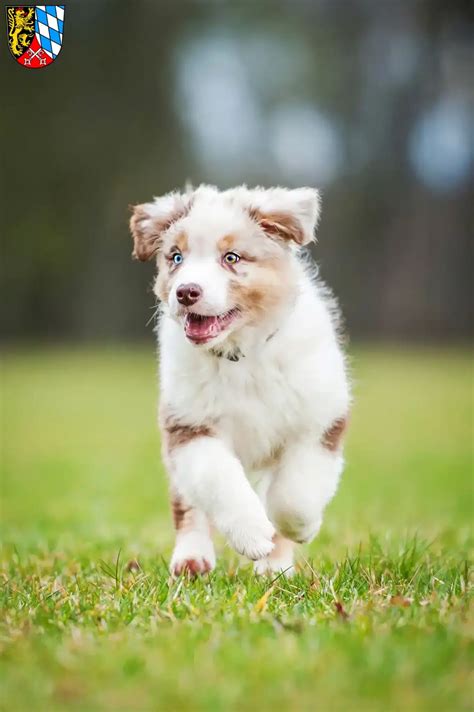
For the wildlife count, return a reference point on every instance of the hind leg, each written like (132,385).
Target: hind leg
(279,560)
(305,481)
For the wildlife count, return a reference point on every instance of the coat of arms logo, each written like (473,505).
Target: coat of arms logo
(35,34)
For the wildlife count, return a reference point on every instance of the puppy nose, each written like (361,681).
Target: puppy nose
(188,294)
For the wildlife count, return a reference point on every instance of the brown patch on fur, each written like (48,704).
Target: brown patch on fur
(332,437)
(180,511)
(147,231)
(249,298)
(145,237)
(185,520)
(181,241)
(162,286)
(279,224)
(176,433)
(264,287)
(226,243)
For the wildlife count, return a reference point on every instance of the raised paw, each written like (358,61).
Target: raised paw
(251,538)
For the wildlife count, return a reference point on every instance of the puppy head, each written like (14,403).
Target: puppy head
(225,259)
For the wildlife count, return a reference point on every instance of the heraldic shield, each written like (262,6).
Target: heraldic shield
(35,34)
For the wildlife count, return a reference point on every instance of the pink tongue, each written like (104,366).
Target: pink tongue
(204,328)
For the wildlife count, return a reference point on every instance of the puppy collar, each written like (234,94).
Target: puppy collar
(236,354)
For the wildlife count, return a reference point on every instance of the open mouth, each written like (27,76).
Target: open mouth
(200,328)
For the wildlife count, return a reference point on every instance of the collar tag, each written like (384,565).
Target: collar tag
(237,354)
(234,355)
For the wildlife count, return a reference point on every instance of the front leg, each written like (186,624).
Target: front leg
(193,551)
(205,473)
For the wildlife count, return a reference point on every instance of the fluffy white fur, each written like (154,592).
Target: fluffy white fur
(263,474)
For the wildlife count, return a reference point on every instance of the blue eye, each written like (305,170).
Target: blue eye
(177,258)
(231,258)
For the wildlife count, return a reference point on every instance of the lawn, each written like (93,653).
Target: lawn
(377,618)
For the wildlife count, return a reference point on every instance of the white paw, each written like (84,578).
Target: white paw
(270,566)
(193,555)
(251,536)
(298,528)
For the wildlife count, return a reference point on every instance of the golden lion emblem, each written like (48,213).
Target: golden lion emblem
(21,28)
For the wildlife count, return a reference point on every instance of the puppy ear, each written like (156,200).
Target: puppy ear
(287,214)
(150,221)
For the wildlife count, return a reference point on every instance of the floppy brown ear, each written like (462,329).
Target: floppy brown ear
(150,221)
(282,225)
(286,214)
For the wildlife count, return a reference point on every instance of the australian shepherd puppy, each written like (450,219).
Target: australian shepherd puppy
(254,390)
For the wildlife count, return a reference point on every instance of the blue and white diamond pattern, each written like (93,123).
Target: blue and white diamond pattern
(49,27)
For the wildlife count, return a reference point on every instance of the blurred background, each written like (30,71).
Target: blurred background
(369,101)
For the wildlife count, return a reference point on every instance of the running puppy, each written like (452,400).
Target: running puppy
(254,390)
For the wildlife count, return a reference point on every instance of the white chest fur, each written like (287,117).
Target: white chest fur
(293,383)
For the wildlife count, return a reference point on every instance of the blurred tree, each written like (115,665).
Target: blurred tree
(354,97)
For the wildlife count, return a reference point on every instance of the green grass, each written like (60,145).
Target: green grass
(377,618)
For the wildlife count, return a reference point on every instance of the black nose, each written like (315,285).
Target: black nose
(188,294)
